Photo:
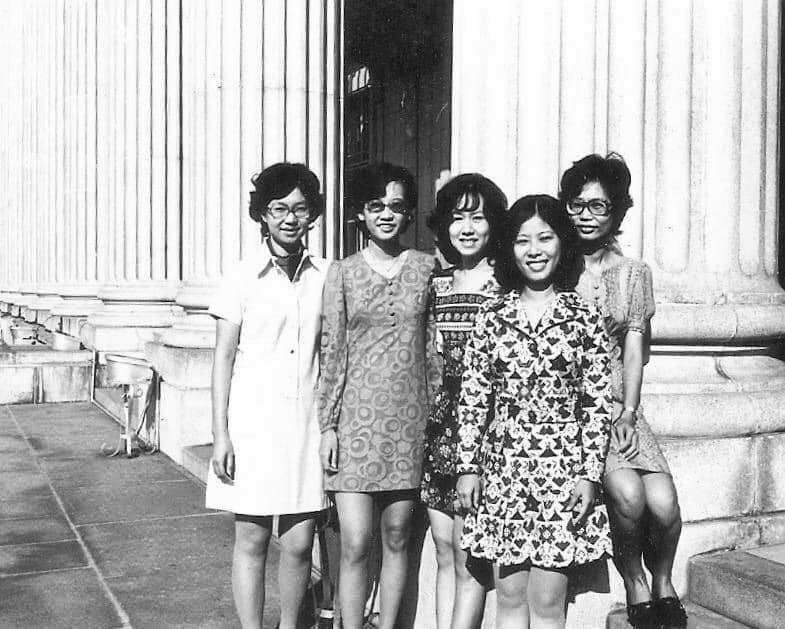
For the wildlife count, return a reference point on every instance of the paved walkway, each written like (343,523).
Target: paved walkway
(91,542)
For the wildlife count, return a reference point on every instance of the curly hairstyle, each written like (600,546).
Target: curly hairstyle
(370,182)
(277,181)
(552,212)
(465,193)
(611,173)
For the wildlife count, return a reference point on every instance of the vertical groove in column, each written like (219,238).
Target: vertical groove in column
(208,240)
(577,72)
(752,128)
(333,90)
(104,66)
(174,135)
(296,80)
(80,226)
(772,121)
(71,101)
(119,144)
(188,127)
(626,102)
(316,112)
(601,69)
(158,136)
(673,145)
(59,179)
(274,78)
(722,138)
(198,169)
(252,44)
(90,142)
(144,151)
(231,150)
(131,95)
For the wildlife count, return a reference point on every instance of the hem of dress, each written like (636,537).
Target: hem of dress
(650,469)
(605,554)
(259,513)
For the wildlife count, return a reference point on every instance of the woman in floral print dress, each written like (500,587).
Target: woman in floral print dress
(534,421)
(467,222)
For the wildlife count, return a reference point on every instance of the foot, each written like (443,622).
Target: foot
(643,615)
(670,613)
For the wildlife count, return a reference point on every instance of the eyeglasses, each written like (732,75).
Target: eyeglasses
(597,207)
(281,210)
(377,206)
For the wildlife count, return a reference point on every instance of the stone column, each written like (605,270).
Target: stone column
(687,92)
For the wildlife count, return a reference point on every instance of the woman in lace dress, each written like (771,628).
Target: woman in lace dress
(467,222)
(379,373)
(637,481)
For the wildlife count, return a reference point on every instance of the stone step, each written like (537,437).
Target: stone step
(37,374)
(698,618)
(747,586)
(196,460)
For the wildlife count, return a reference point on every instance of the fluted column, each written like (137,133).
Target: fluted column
(688,93)
(260,85)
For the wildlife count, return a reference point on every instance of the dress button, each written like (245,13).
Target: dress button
(291,351)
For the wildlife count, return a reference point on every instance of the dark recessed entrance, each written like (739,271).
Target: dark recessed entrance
(397,93)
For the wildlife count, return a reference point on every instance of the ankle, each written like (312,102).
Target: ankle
(662,587)
(637,589)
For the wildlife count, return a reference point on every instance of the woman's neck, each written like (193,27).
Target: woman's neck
(385,249)
(594,252)
(281,251)
(538,294)
(473,263)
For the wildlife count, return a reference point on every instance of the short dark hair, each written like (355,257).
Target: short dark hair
(466,190)
(370,182)
(611,173)
(553,213)
(277,181)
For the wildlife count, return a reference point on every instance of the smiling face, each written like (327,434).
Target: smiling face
(287,231)
(469,231)
(590,226)
(386,218)
(537,252)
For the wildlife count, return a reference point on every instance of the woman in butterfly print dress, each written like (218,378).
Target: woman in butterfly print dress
(467,223)
(379,373)
(534,421)
(640,490)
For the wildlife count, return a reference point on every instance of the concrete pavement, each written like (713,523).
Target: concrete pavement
(93,542)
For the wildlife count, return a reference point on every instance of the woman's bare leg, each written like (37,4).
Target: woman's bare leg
(396,524)
(294,569)
(441,531)
(472,578)
(249,560)
(355,513)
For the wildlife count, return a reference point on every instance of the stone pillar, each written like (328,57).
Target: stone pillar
(687,92)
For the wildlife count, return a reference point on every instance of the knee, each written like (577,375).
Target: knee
(627,498)
(511,600)
(355,548)
(444,550)
(545,603)
(396,537)
(664,507)
(251,541)
(298,550)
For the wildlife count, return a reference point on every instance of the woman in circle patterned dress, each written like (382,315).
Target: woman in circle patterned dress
(467,222)
(379,372)
(534,421)
(638,483)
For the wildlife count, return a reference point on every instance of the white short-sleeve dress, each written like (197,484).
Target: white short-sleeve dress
(272,416)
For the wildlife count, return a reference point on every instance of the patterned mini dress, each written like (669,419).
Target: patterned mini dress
(454,313)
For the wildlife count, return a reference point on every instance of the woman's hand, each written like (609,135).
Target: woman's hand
(222,459)
(582,500)
(625,436)
(469,490)
(328,451)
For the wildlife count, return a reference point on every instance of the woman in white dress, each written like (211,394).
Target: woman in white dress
(265,460)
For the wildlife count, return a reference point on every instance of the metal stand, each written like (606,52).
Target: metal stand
(128,441)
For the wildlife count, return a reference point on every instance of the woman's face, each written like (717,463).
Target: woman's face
(469,232)
(590,204)
(386,218)
(537,251)
(287,219)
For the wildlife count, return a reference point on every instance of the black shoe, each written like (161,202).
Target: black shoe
(671,613)
(643,615)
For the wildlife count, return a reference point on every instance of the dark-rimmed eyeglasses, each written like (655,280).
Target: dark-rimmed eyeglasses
(597,207)
(281,210)
(377,206)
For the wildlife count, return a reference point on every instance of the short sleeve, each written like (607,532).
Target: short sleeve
(641,299)
(227,300)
